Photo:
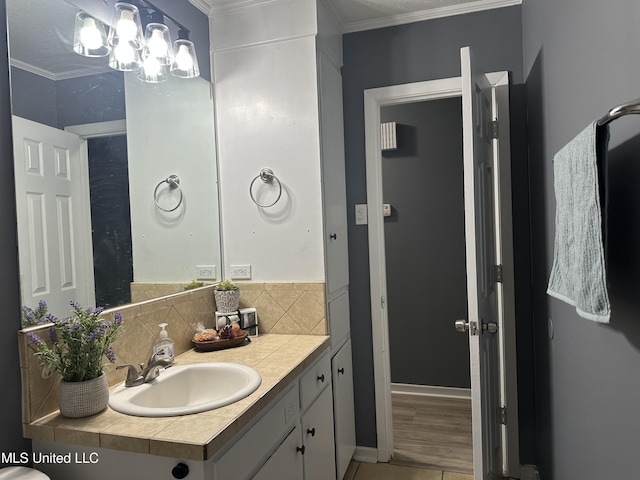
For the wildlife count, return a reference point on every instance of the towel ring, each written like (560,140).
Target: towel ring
(174,182)
(267,176)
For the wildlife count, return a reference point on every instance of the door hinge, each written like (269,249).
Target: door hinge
(494,129)
(497,273)
(503,415)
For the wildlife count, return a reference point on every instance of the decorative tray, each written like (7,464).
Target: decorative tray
(212,345)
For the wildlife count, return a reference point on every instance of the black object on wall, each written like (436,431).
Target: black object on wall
(110,220)
(425,244)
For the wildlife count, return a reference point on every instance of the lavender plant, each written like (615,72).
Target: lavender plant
(36,316)
(78,343)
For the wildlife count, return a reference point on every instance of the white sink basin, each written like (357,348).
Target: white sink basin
(185,389)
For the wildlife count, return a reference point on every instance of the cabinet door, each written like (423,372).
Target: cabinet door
(333,174)
(286,461)
(339,324)
(343,408)
(318,439)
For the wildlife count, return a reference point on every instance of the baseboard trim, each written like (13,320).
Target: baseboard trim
(366,454)
(431,391)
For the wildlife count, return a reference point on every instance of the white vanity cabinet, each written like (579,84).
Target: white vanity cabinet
(343,408)
(318,439)
(286,461)
(293,439)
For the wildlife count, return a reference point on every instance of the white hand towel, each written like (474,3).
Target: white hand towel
(578,275)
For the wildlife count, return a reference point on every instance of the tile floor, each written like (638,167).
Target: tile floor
(388,471)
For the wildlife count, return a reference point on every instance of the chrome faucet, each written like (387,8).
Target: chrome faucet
(146,374)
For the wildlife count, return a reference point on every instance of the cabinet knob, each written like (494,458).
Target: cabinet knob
(341,371)
(333,236)
(181,470)
(301,449)
(311,431)
(321,378)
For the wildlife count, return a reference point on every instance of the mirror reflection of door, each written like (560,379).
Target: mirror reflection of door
(54,241)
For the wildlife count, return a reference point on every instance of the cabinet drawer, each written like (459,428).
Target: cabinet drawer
(314,381)
(257,443)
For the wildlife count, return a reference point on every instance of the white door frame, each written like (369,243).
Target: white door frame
(374,99)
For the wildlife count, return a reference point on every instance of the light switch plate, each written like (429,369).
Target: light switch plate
(361,214)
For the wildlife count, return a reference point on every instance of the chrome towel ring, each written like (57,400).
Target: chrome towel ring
(174,182)
(267,176)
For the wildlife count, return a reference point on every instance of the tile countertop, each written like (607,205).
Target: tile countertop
(278,358)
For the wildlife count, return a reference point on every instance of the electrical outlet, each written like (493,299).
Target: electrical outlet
(205,272)
(240,272)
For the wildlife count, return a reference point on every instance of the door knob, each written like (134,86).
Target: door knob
(490,327)
(462,326)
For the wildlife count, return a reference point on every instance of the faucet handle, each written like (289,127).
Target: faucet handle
(133,377)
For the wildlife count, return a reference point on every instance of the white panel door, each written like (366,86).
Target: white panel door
(54,226)
(482,319)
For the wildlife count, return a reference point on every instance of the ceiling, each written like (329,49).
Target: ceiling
(359,15)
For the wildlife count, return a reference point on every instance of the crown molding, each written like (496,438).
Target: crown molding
(430,14)
(333,14)
(58,76)
(202,5)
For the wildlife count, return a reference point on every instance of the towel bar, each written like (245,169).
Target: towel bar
(628,108)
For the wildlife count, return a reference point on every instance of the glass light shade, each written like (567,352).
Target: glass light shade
(157,43)
(126,28)
(124,58)
(185,64)
(152,71)
(90,38)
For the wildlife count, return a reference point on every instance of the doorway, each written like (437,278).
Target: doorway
(375,100)
(426,284)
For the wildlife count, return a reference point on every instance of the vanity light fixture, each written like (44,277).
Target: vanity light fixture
(126,28)
(90,38)
(186,62)
(125,38)
(157,53)
(151,56)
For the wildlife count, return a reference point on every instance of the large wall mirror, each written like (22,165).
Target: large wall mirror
(101,217)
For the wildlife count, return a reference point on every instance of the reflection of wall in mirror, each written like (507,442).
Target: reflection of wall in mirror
(170,131)
(73,101)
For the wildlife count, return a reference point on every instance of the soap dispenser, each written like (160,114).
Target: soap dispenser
(163,350)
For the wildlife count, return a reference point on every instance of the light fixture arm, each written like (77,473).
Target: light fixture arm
(149,5)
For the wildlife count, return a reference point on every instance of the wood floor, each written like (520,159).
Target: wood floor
(432,432)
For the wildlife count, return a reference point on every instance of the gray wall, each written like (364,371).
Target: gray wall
(10,414)
(580,60)
(35,97)
(74,101)
(425,246)
(425,51)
